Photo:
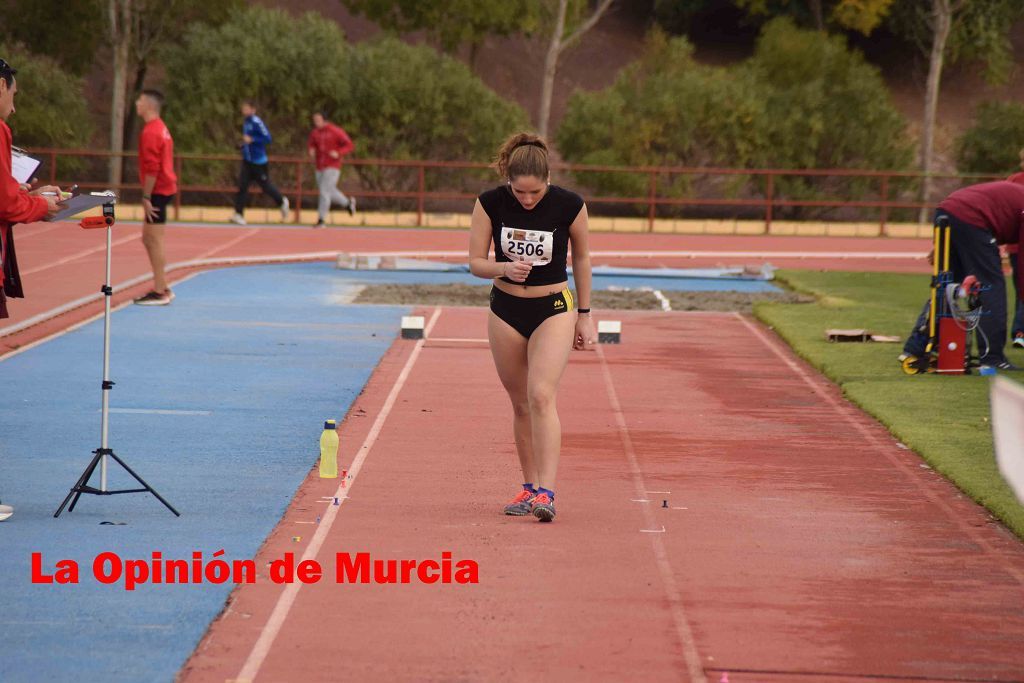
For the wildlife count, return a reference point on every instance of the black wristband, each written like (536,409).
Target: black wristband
(583,310)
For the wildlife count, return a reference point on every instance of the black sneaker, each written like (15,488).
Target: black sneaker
(351,206)
(1007,366)
(319,224)
(155,298)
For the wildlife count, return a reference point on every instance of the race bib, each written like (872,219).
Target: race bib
(532,246)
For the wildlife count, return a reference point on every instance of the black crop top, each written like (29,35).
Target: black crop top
(540,235)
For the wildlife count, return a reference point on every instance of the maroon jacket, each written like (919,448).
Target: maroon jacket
(997,207)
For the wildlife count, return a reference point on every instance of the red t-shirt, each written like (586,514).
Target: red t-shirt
(997,206)
(326,139)
(156,157)
(16,205)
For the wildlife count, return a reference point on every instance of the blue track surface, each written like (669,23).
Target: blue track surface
(256,359)
(219,403)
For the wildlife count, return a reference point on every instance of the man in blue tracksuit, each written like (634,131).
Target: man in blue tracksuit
(255,138)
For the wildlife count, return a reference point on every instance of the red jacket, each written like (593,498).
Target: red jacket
(997,207)
(156,157)
(327,139)
(16,206)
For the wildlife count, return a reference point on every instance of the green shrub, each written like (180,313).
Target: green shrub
(825,108)
(992,144)
(50,107)
(804,100)
(663,110)
(395,100)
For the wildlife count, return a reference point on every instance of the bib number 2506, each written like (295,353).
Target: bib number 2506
(534,246)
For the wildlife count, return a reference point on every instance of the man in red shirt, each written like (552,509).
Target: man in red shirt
(16,206)
(328,143)
(159,185)
(981,217)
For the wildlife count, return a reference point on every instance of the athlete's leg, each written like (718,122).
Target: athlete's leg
(153,240)
(547,355)
(508,348)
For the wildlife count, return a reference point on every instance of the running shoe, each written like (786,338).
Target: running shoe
(351,206)
(285,205)
(237,218)
(543,508)
(319,224)
(1007,366)
(155,299)
(1018,340)
(5,511)
(520,505)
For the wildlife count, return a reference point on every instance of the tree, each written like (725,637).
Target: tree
(43,24)
(946,31)
(119,27)
(453,23)
(804,100)
(993,142)
(53,110)
(396,100)
(562,37)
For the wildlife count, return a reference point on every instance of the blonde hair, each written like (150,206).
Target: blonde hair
(523,154)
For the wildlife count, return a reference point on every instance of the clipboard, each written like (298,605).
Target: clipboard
(83,202)
(22,165)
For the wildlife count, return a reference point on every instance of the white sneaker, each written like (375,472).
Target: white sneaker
(237,218)
(284,208)
(351,206)
(1019,342)
(6,511)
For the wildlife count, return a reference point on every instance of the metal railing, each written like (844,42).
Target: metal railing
(764,194)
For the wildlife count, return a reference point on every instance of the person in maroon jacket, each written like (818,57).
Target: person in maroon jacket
(981,217)
(17,205)
(159,185)
(328,143)
(1017,331)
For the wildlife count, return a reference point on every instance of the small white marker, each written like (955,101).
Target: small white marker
(653,531)
(609,331)
(640,500)
(412,326)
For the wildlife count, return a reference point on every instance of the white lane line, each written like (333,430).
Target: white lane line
(158,411)
(72,328)
(658,492)
(284,603)
(81,254)
(845,410)
(668,579)
(653,531)
(640,500)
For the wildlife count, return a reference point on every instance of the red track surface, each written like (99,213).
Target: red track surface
(62,263)
(800,542)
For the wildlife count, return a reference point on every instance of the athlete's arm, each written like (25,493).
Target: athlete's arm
(479,246)
(581,275)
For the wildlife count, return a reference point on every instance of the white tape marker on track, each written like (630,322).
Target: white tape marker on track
(287,598)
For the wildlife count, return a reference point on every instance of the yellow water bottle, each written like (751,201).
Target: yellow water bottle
(329,451)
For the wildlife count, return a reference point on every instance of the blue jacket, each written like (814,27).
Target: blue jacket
(256,151)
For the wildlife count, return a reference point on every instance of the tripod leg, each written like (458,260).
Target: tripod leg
(144,484)
(76,490)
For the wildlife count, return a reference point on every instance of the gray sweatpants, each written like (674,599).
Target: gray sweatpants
(327,181)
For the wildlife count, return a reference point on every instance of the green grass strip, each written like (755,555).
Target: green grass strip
(944,419)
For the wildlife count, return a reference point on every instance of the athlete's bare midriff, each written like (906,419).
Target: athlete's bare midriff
(530,291)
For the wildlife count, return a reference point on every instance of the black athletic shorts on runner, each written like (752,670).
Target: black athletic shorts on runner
(526,315)
(160,203)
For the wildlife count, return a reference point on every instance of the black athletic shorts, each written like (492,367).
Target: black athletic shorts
(160,203)
(526,315)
